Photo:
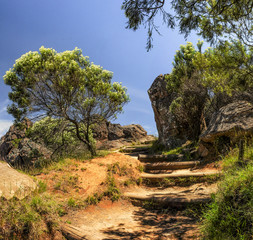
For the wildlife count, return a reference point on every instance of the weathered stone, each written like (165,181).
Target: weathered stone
(203,151)
(232,121)
(14,183)
(161,100)
(109,135)
(115,131)
(18,150)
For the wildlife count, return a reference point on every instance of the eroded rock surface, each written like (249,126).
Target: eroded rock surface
(18,150)
(161,100)
(109,135)
(232,120)
(227,126)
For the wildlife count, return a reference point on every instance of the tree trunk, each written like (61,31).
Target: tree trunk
(241,150)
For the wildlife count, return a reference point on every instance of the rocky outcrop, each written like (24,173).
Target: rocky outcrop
(232,120)
(109,135)
(229,124)
(18,150)
(161,100)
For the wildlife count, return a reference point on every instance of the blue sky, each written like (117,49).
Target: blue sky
(98,28)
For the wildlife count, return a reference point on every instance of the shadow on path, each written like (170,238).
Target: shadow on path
(156,224)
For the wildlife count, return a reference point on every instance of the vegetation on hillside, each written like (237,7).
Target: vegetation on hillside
(230,216)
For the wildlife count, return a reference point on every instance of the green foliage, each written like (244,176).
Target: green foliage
(94,199)
(112,191)
(214,20)
(71,202)
(42,187)
(59,136)
(16,142)
(226,68)
(29,218)
(116,168)
(231,214)
(64,86)
(198,80)
(190,96)
(182,66)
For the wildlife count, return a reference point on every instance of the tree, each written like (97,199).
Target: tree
(204,82)
(184,80)
(226,68)
(64,86)
(214,20)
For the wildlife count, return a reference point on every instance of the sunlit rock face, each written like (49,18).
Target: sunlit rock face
(110,135)
(233,121)
(161,100)
(14,183)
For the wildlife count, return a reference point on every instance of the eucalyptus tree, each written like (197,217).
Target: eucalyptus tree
(64,86)
(212,19)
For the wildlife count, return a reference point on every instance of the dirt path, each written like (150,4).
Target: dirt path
(123,220)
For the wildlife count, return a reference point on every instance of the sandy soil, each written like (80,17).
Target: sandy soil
(122,220)
(82,179)
(116,220)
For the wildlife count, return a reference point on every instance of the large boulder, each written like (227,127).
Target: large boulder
(14,183)
(161,100)
(228,125)
(17,150)
(232,120)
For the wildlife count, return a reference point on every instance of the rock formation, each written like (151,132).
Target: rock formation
(14,183)
(232,120)
(230,123)
(228,117)
(109,135)
(18,150)
(161,100)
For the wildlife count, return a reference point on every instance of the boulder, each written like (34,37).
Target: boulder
(232,121)
(17,150)
(14,183)
(161,100)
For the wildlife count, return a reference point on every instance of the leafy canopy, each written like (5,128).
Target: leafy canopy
(64,86)
(213,19)
(226,68)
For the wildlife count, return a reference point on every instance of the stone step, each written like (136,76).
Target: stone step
(159,158)
(135,149)
(178,174)
(171,165)
(71,232)
(174,196)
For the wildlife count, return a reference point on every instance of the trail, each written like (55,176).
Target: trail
(154,210)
